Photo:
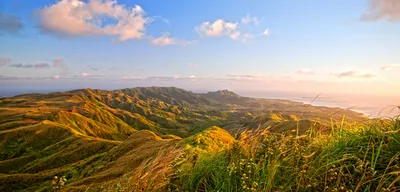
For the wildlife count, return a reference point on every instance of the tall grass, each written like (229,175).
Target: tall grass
(353,157)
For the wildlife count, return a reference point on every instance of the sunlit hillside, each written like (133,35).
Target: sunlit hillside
(95,138)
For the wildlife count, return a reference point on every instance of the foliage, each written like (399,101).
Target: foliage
(58,183)
(158,138)
(362,157)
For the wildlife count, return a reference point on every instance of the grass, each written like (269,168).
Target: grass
(157,139)
(353,157)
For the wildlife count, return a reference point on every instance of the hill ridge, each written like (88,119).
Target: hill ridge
(76,133)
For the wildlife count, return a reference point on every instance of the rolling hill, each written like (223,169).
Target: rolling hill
(134,138)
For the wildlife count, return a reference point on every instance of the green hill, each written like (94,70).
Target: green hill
(138,138)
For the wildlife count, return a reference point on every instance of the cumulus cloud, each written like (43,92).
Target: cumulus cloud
(80,18)
(219,28)
(5,61)
(222,28)
(390,67)
(165,39)
(305,72)
(250,20)
(382,9)
(10,24)
(356,74)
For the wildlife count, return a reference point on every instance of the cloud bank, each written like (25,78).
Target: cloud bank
(247,76)
(356,74)
(390,67)
(30,66)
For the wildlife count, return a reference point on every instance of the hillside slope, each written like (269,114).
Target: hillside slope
(101,139)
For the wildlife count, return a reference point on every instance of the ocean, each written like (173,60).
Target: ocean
(370,106)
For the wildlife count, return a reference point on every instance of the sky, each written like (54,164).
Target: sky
(310,46)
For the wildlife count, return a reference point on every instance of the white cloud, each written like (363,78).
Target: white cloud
(247,76)
(356,74)
(390,67)
(164,78)
(249,20)
(266,32)
(89,75)
(382,9)
(165,39)
(79,18)
(192,77)
(219,28)
(131,78)
(305,72)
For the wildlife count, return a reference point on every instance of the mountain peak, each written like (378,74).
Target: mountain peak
(224,92)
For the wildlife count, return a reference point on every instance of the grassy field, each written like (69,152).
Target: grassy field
(169,139)
(352,157)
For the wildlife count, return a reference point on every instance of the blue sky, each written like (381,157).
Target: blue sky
(302,46)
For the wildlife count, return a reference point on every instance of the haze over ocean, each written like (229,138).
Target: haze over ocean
(371,106)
